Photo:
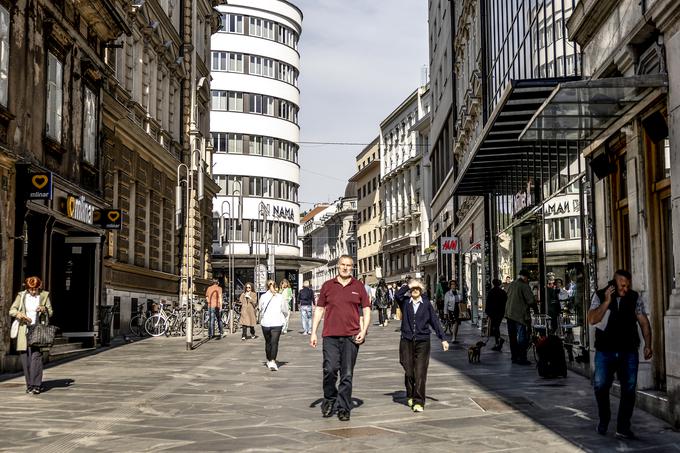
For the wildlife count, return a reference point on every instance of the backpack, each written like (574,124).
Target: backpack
(551,359)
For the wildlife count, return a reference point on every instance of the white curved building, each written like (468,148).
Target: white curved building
(254,126)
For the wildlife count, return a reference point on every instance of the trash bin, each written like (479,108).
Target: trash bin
(105,318)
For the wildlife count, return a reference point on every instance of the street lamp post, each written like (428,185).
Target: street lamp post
(186,290)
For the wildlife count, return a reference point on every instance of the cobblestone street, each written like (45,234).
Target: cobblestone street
(153,395)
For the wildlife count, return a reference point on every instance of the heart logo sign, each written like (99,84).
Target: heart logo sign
(113,215)
(40,181)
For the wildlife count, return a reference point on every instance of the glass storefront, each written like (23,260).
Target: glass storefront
(546,234)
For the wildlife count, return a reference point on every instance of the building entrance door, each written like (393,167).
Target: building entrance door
(660,247)
(74,283)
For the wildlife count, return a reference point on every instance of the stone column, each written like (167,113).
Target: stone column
(672,318)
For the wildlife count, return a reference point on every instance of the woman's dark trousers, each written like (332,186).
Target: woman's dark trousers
(414,356)
(245,331)
(271,341)
(32,363)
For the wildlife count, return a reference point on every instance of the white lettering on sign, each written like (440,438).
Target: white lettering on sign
(79,209)
(525,198)
(450,245)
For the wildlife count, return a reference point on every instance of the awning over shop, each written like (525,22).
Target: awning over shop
(589,111)
(501,163)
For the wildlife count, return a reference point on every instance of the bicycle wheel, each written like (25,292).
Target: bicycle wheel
(137,326)
(156,325)
(172,326)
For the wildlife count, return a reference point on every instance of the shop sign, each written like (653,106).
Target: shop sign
(450,245)
(109,219)
(524,199)
(562,208)
(280,212)
(40,186)
(260,278)
(78,209)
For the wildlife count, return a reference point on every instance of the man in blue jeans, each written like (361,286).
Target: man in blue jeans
(616,311)
(306,299)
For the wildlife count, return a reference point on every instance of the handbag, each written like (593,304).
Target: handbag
(41,335)
(463,312)
(14,330)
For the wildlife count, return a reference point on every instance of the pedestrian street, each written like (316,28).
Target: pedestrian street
(153,395)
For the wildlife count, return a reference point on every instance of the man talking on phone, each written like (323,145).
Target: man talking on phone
(616,311)
(340,302)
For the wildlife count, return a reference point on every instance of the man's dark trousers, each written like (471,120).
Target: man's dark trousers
(414,356)
(625,365)
(519,341)
(339,356)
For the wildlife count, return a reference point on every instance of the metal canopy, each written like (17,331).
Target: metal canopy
(583,110)
(493,165)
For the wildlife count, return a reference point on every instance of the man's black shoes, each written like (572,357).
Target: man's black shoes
(343,415)
(601,429)
(326,409)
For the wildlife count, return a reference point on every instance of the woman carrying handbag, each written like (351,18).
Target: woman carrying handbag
(30,305)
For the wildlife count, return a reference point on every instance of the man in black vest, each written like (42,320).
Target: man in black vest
(616,311)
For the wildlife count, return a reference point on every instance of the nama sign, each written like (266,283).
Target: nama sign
(450,245)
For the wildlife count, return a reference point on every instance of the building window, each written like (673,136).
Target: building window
(261,27)
(55,93)
(574,228)
(235,144)
(219,142)
(90,121)
(255,186)
(234,185)
(268,147)
(255,145)
(234,23)
(219,100)
(236,102)
(4,55)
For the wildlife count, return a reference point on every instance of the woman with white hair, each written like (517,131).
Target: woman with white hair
(414,347)
(273,315)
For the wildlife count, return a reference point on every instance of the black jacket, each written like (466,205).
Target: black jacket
(417,327)
(495,303)
(306,296)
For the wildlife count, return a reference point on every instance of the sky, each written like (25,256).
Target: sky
(359,60)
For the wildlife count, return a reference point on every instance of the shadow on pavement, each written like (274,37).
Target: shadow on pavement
(566,406)
(356,402)
(56,384)
(399,397)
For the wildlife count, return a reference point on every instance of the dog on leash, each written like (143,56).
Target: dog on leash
(475,352)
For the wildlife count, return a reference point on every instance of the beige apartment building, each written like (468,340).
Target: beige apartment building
(369,206)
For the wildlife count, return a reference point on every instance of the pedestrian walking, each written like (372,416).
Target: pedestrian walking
(249,303)
(214,297)
(440,292)
(419,316)
(341,300)
(287,293)
(392,309)
(31,304)
(452,299)
(306,298)
(382,301)
(495,310)
(616,311)
(272,319)
(520,299)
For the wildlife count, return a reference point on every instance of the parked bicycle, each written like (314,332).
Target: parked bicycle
(136,325)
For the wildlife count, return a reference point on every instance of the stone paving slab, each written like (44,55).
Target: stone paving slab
(153,396)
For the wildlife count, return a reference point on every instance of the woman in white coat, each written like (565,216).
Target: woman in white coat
(273,315)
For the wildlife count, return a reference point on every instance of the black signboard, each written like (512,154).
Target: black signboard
(109,219)
(39,186)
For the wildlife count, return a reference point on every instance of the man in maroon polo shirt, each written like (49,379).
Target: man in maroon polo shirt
(341,302)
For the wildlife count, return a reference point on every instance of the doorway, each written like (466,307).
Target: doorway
(73,282)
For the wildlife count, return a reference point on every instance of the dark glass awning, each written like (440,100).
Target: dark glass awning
(584,110)
(501,163)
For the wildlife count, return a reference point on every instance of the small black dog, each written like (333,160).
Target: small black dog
(475,352)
